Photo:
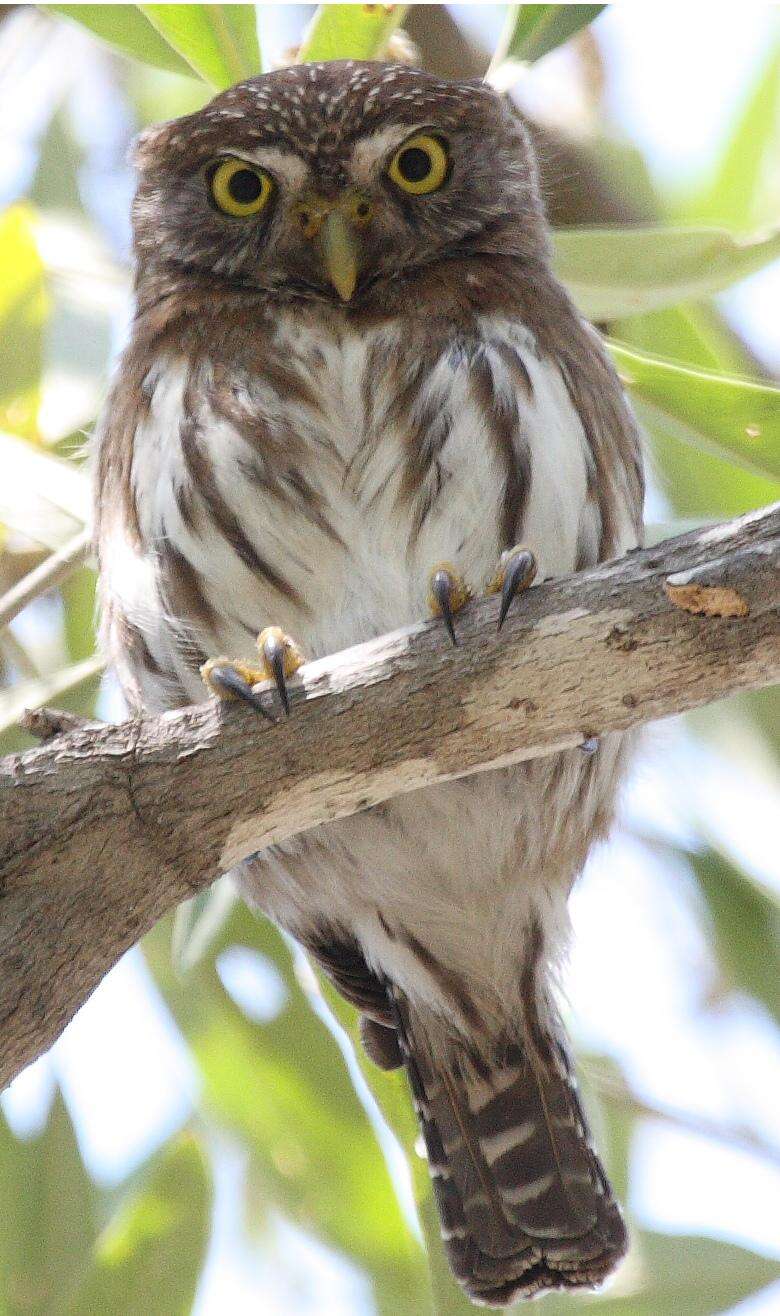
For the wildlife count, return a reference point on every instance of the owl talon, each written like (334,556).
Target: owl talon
(448,593)
(229,680)
(281,657)
(516,572)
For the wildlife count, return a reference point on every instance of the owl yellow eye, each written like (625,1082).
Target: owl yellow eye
(240,189)
(420,166)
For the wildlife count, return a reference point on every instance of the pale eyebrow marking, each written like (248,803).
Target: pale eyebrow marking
(285,165)
(372,150)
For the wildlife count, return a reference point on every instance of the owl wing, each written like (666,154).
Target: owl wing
(341,959)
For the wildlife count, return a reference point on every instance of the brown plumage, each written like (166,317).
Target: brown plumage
(322,399)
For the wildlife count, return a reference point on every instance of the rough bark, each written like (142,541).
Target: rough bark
(105,828)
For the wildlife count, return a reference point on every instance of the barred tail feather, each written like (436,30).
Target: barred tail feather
(525,1205)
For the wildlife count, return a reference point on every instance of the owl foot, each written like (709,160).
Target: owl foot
(447,594)
(516,571)
(229,678)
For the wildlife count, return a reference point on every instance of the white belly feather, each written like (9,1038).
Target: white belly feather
(376,584)
(450,859)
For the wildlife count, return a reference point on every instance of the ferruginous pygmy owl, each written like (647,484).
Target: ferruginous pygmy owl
(355,393)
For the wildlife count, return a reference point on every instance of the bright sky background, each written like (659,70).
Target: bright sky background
(127,1078)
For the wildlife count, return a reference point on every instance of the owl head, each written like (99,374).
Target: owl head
(321,181)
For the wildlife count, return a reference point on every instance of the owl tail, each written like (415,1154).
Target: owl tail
(525,1205)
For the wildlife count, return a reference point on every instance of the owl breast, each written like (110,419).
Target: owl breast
(315,479)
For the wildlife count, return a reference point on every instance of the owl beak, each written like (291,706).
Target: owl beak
(341,253)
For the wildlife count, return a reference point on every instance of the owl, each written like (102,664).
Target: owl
(355,394)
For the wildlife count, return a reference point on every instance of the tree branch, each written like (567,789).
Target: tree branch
(104,829)
(52,571)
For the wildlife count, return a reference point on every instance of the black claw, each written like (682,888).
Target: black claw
(519,572)
(441,589)
(231,681)
(590,745)
(273,650)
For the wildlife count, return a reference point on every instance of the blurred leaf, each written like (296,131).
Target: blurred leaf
(613,1122)
(697,483)
(675,1273)
(390,1090)
(746,925)
(127,29)
(156,95)
(55,186)
(763,707)
(692,334)
(42,497)
(89,291)
(617,272)
(744,190)
(730,417)
(697,1276)
(149,1258)
(218,41)
(532,31)
(350,32)
(283,1087)
(23,308)
(78,600)
(198,921)
(49,1210)
(745,728)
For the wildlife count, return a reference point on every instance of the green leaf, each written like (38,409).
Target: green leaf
(390,1089)
(744,189)
(616,272)
(218,41)
(350,32)
(46,499)
(763,708)
(532,31)
(612,1121)
(693,334)
(698,484)
(733,418)
(23,310)
(680,1273)
(746,730)
(746,926)
(697,1276)
(127,29)
(148,1260)
(283,1087)
(198,921)
(54,189)
(78,601)
(49,1217)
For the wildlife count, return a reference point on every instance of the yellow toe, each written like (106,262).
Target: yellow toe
(459,592)
(273,637)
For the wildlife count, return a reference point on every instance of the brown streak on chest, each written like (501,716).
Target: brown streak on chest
(502,418)
(204,481)
(185,602)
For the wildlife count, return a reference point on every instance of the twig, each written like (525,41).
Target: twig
(21,699)
(48,723)
(617,1093)
(53,571)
